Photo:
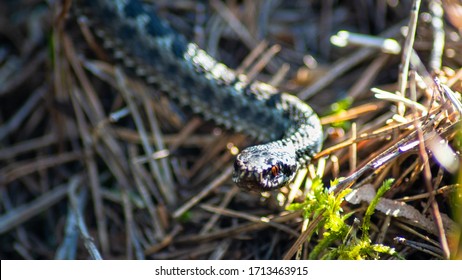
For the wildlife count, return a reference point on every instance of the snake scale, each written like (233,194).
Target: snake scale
(147,47)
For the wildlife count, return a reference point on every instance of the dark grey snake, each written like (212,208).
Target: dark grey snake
(147,47)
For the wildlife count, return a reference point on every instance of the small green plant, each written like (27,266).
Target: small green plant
(321,201)
(339,107)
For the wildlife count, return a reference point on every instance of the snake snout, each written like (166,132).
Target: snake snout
(263,169)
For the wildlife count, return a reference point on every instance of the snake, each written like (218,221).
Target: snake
(287,131)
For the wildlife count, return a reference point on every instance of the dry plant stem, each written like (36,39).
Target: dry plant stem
(92,171)
(62,81)
(138,175)
(428,180)
(240,29)
(386,222)
(168,239)
(185,133)
(159,144)
(187,254)
(20,169)
(164,188)
(130,232)
(209,155)
(27,211)
(407,53)
(225,175)
(249,10)
(443,190)
(22,251)
(22,113)
(403,175)
(251,218)
(258,66)
(325,26)
(280,75)
(342,66)
(381,132)
(451,96)
(87,239)
(251,57)
(303,249)
(369,74)
(91,166)
(428,249)
(131,136)
(113,154)
(274,241)
(226,200)
(221,249)
(138,245)
(303,236)
(295,186)
(353,149)
(220,163)
(199,23)
(454,79)
(215,30)
(404,145)
(227,232)
(436,56)
(18,79)
(235,24)
(68,248)
(417,233)
(385,95)
(353,113)
(28,145)
(143,174)
(90,40)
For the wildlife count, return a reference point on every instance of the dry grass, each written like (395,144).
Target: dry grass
(95,164)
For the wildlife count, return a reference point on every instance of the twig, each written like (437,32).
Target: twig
(27,211)
(87,239)
(436,11)
(209,188)
(251,218)
(342,66)
(68,248)
(407,52)
(165,189)
(227,232)
(428,183)
(23,112)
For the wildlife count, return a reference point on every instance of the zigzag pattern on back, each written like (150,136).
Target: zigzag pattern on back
(149,48)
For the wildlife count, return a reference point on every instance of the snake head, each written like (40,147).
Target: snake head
(265,167)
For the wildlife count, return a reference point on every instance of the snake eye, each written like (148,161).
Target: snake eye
(275,170)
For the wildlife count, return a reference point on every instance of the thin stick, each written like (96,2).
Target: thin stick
(407,53)
(436,11)
(209,188)
(342,66)
(27,211)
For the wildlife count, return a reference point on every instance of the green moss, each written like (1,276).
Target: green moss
(338,239)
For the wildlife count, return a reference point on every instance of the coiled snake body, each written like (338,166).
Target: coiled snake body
(147,47)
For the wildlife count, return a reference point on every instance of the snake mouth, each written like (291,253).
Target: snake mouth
(247,180)
(248,183)
(260,181)
(265,167)
(244,180)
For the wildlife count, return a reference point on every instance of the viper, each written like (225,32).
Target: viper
(147,47)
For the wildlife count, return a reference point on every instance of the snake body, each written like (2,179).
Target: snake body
(146,46)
